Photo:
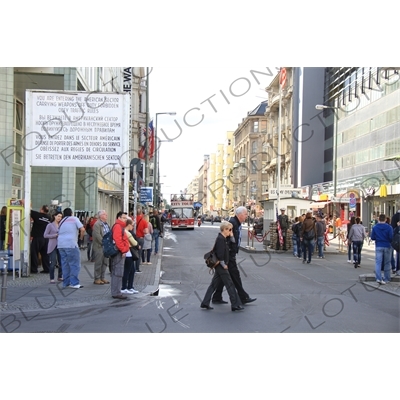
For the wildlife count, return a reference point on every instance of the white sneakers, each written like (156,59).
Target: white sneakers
(129,291)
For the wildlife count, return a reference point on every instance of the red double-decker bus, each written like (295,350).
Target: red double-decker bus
(182,211)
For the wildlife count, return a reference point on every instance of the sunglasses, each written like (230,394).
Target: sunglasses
(228,229)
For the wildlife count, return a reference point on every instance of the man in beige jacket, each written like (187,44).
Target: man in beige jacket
(100,262)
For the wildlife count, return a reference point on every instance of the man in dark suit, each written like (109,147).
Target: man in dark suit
(234,245)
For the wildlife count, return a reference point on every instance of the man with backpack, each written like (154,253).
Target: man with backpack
(121,241)
(155,221)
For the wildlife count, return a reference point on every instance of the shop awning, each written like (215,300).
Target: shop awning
(319,204)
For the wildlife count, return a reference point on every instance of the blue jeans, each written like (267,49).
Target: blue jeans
(299,247)
(295,248)
(382,254)
(156,235)
(308,245)
(320,244)
(53,263)
(71,266)
(349,251)
(357,247)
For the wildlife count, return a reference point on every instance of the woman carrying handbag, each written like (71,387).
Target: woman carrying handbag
(221,273)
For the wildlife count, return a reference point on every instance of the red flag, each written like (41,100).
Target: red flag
(151,140)
(282,77)
(151,147)
(142,153)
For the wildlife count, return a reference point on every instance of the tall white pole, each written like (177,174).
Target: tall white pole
(126,143)
(27,184)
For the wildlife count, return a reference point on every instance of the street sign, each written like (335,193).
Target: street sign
(146,195)
(283,192)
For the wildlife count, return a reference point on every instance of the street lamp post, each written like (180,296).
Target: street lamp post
(155,170)
(322,107)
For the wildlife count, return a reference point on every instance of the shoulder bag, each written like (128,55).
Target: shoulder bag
(210,258)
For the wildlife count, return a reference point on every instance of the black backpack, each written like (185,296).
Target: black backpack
(153,222)
(109,248)
(396,242)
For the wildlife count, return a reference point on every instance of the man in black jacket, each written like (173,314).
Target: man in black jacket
(155,221)
(236,221)
(396,217)
(39,243)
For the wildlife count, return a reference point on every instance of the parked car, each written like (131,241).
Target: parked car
(217,218)
(258,226)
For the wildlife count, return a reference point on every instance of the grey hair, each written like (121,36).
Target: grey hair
(101,212)
(224,225)
(240,210)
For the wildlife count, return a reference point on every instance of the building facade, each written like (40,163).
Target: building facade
(81,188)
(250,160)
(367,113)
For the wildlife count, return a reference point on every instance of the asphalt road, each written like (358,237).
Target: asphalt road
(324,296)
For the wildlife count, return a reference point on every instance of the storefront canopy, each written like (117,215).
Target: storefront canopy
(319,204)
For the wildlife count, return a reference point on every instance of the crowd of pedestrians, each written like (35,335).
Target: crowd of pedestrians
(56,241)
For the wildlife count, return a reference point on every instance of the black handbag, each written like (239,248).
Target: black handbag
(135,253)
(210,258)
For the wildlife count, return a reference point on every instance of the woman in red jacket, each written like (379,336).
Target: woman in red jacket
(117,263)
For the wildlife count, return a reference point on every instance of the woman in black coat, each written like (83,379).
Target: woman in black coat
(221,273)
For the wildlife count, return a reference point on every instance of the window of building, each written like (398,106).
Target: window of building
(253,166)
(255,126)
(254,147)
(264,126)
(264,186)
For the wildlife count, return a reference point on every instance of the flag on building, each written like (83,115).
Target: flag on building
(143,142)
(278,225)
(151,140)
(282,77)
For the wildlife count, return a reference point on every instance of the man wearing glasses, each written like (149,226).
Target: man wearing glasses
(234,245)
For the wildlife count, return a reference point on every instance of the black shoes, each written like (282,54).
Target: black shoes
(355,265)
(249,300)
(238,308)
(206,307)
(219,302)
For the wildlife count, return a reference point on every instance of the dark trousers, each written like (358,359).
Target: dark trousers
(308,247)
(39,246)
(129,273)
(278,243)
(236,279)
(146,254)
(222,277)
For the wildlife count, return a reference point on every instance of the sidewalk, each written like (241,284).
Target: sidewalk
(335,249)
(35,292)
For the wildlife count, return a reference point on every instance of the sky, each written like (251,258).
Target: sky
(208,101)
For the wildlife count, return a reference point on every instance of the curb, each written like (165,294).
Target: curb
(369,280)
